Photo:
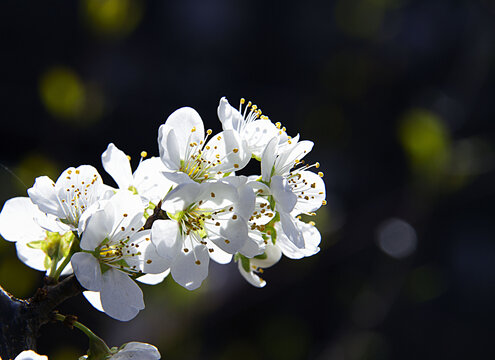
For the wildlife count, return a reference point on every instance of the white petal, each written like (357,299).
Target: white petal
(273,255)
(224,112)
(313,187)
(177,178)
(34,258)
(94,299)
(312,239)
(268,159)
(188,128)
(246,203)
(251,277)
(230,149)
(285,199)
(147,259)
(137,350)
(181,197)
(117,165)
(286,160)
(150,181)
(290,229)
(254,245)
(233,234)
(169,148)
(44,195)
(121,297)
(217,254)
(98,227)
(153,279)
(30,355)
(191,268)
(87,270)
(17,221)
(165,236)
(258,134)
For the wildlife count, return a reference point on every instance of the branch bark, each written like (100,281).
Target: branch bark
(20,320)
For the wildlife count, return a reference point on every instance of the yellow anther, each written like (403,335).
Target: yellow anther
(254,107)
(317,165)
(235,150)
(249,104)
(320,174)
(128,157)
(209,131)
(312,223)
(243,101)
(144,154)
(324,202)
(278,125)
(193,129)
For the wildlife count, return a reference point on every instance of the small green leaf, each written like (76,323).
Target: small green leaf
(245,263)
(261,257)
(38,244)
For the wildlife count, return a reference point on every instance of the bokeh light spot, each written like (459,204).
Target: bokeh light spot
(62,92)
(114,18)
(397,238)
(426,140)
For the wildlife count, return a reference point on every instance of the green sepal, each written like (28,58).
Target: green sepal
(245,262)
(65,221)
(271,200)
(38,244)
(261,256)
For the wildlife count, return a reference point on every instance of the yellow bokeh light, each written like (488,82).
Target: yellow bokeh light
(426,140)
(115,18)
(62,92)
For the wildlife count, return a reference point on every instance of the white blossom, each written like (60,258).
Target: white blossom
(251,269)
(256,129)
(75,191)
(147,181)
(114,248)
(295,189)
(23,223)
(184,147)
(205,220)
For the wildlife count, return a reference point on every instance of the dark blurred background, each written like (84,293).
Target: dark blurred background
(398,96)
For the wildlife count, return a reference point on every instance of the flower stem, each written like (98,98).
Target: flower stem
(96,344)
(72,250)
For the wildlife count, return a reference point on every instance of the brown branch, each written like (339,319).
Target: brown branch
(20,320)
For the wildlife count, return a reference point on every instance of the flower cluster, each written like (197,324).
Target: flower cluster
(175,212)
